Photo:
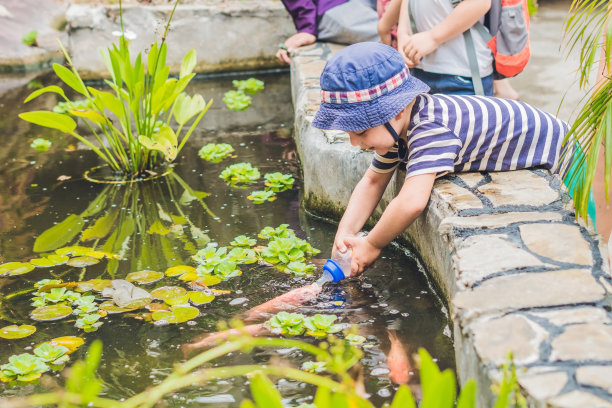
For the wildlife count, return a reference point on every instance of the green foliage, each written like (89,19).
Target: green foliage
(237,101)
(261,196)
(23,367)
(16,332)
(585,26)
(278,182)
(508,390)
(287,250)
(300,268)
(40,144)
(282,231)
(287,324)
(83,380)
(240,173)
(215,152)
(215,261)
(251,86)
(243,241)
(321,325)
(77,104)
(131,124)
(314,366)
(29,39)
(52,354)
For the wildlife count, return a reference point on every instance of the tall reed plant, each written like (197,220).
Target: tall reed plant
(144,119)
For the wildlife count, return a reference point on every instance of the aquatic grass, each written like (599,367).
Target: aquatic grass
(134,125)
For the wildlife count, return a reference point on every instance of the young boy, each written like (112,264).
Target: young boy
(367,91)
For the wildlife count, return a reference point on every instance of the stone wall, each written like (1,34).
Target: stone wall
(517,270)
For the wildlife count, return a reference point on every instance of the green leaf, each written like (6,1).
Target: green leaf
(59,235)
(51,120)
(164,141)
(89,114)
(467,397)
(50,313)
(15,268)
(187,107)
(404,399)
(102,227)
(189,63)
(52,88)
(70,78)
(264,393)
(248,404)
(16,332)
(83,380)
(323,398)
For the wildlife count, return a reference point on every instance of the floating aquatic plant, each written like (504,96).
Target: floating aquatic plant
(66,107)
(287,324)
(240,173)
(52,354)
(40,144)
(89,322)
(261,196)
(215,261)
(251,86)
(176,314)
(30,38)
(23,367)
(355,339)
(243,241)
(321,325)
(13,332)
(50,313)
(144,277)
(300,268)
(278,181)
(237,100)
(215,152)
(314,366)
(15,268)
(282,231)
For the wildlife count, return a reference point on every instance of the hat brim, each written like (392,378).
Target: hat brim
(357,116)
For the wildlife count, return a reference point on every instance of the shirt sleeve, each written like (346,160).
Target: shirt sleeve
(387,163)
(432,148)
(304,15)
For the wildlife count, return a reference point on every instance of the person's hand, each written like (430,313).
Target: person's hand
(339,245)
(417,46)
(364,254)
(295,41)
(385,34)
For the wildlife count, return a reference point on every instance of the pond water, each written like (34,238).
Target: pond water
(393,294)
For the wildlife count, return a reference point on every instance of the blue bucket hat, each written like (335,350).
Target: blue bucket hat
(363,86)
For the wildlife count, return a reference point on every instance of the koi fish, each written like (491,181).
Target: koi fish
(398,363)
(215,338)
(287,301)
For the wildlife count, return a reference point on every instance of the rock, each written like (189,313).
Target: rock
(458,197)
(578,399)
(483,255)
(568,244)
(520,187)
(543,385)
(490,221)
(494,338)
(526,290)
(574,315)
(595,376)
(471,179)
(583,342)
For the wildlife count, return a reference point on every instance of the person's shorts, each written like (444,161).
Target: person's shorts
(452,84)
(349,23)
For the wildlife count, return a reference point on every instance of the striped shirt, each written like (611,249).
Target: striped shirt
(463,133)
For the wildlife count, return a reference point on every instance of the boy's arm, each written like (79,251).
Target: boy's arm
(389,18)
(399,214)
(364,199)
(464,16)
(403,28)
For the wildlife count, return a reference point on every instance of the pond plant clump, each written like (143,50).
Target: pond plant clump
(134,124)
(240,99)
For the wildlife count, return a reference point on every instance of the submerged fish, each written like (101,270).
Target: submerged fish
(287,301)
(212,339)
(400,369)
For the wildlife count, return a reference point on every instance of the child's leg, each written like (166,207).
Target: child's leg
(604,209)
(503,89)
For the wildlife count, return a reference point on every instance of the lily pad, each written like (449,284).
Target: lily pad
(74,250)
(189,276)
(179,300)
(82,261)
(127,295)
(72,343)
(155,306)
(177,314)
(96,285)
(111,308)
(15,268)
(168,292)
(144,277)
(208,280)
(16,332)
(50,313)
(49,261)
(200,298)
(179,270)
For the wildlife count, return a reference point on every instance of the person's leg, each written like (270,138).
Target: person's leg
(604,209)
(349,23)
(503,89)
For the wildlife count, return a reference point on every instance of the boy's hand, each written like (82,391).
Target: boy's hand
(364,254)
(417,46)
(295,41)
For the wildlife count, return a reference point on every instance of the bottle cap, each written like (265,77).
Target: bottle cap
(334,270)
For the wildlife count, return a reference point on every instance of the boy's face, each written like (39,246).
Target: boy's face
(378,139)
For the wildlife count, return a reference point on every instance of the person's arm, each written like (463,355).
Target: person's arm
(399,214)
(304,16)
(403,27)
(464,16)
(389,18)
(364,199)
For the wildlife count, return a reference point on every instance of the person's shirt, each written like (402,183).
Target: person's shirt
(451,56)
(466,133)
(307,13)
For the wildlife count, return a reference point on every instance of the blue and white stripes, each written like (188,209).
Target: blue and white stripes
(461,133)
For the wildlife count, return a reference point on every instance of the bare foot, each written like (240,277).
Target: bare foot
(503,89)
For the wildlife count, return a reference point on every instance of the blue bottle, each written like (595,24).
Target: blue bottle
(337,268)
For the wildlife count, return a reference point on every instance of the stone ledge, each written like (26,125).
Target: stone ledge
(505,250)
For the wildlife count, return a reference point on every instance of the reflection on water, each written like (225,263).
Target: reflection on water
(154,225)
